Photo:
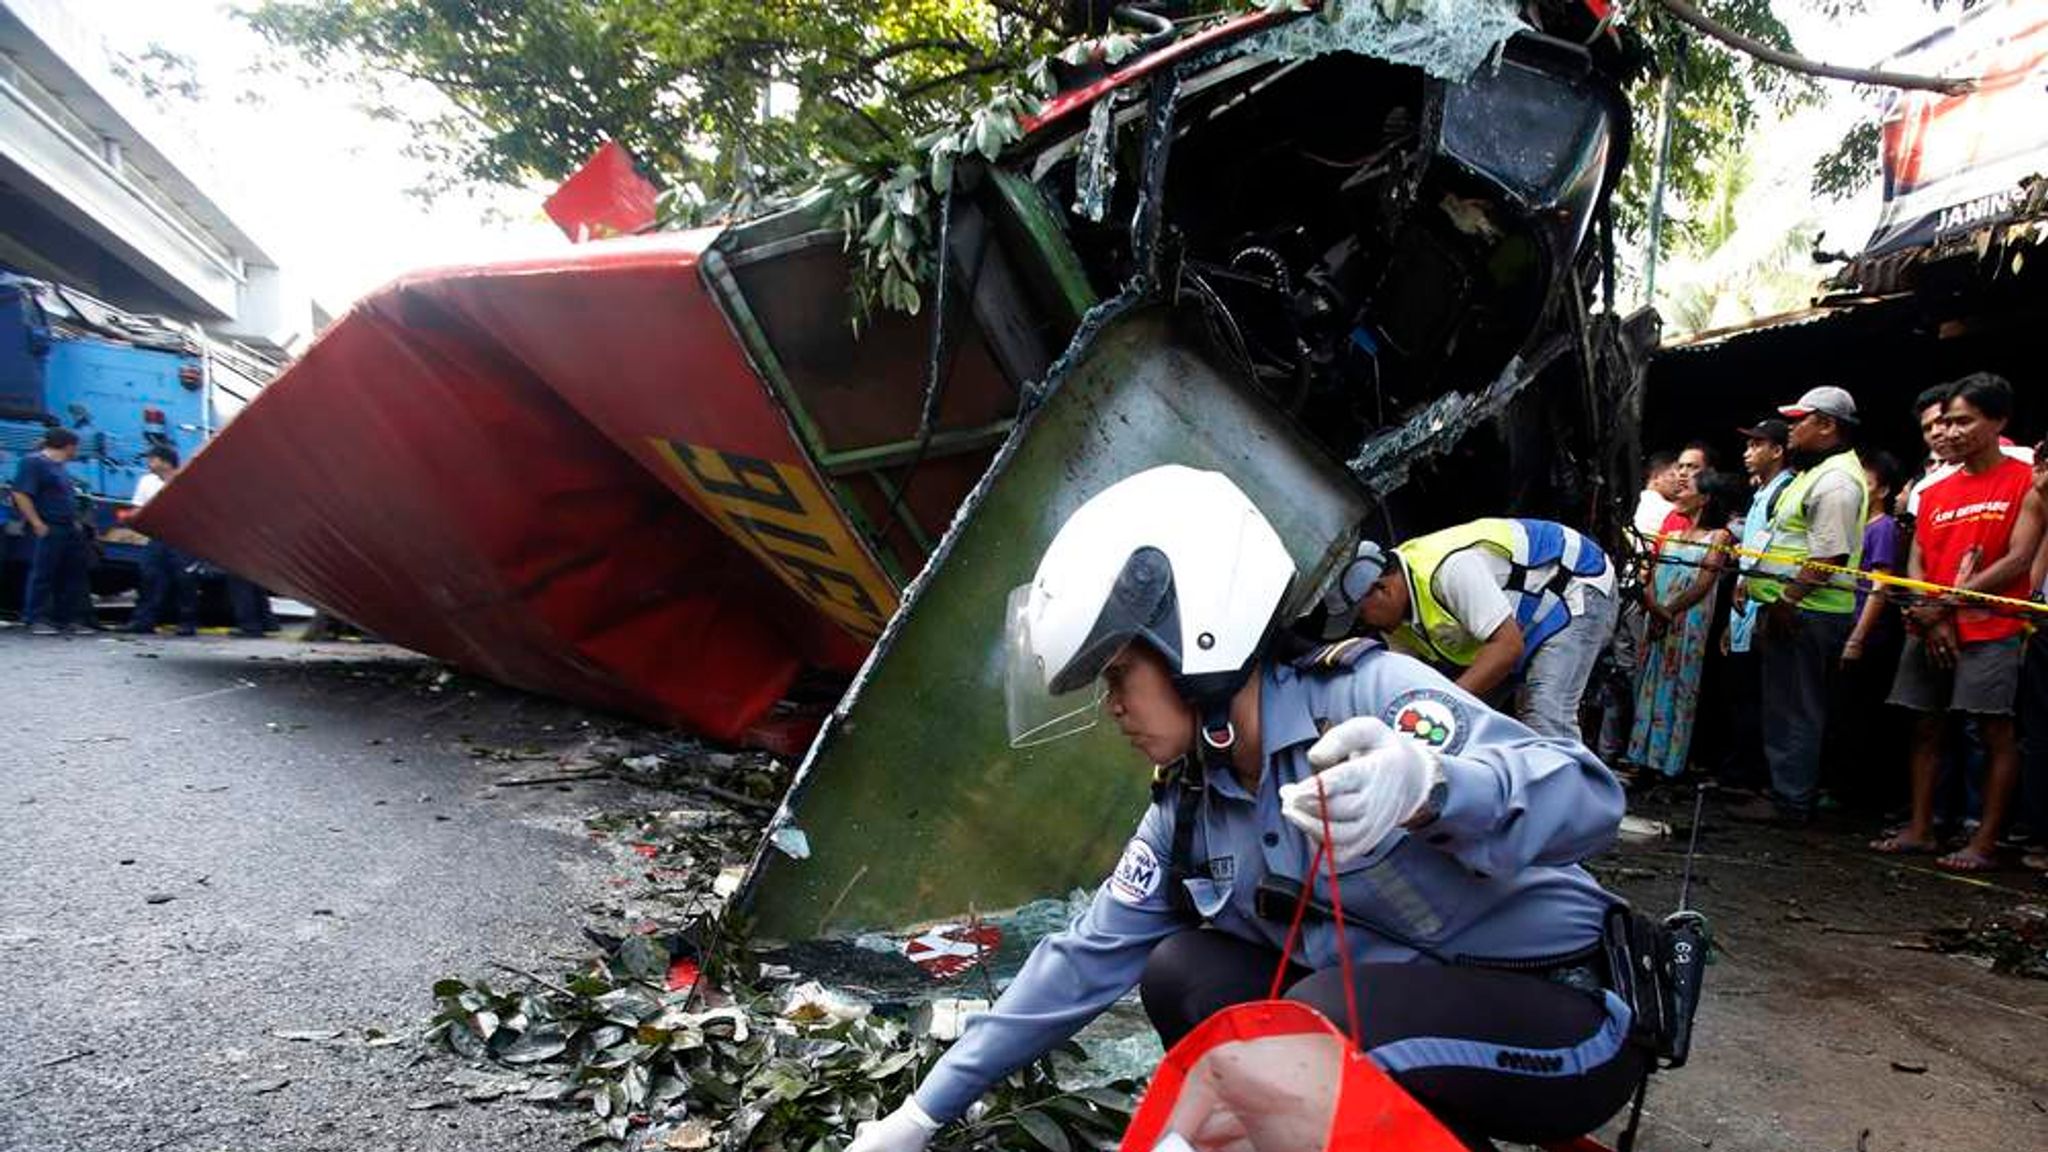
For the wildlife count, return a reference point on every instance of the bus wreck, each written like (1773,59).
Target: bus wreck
(1362,264)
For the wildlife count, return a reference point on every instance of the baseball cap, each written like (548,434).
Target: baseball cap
(1347,588)
(1827,400)
(1773,429)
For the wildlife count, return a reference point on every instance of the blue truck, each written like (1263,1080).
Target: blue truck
(124,383)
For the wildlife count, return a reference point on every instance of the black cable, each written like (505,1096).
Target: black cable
(940,362)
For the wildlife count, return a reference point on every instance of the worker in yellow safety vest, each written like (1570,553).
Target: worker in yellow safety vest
(1496,598)
(1809,609)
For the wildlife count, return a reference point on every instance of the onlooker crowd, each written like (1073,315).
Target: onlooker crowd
(1859,660)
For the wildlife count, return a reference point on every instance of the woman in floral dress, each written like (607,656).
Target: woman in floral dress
(1679,598)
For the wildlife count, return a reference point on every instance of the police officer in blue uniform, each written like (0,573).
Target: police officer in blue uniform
(1475,933)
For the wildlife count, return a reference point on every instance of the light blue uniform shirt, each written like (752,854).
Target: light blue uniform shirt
(1756,532)
(1495,876)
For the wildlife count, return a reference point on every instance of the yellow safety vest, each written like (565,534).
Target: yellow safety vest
(1788,535)
(1432,632)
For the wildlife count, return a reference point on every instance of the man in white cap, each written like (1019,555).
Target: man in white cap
(1806,611)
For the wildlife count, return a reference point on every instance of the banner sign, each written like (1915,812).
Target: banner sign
(1953,164)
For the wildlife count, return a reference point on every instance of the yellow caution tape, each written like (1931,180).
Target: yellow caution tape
(1885,578)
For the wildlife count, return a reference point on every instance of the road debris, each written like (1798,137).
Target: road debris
(813,1003)
(1641,830)
(679,1033)
(505,755)
(553,778)
(683,975)
(791,842)
(2015,942)
(951,949)
(638,1057)
(944,1020)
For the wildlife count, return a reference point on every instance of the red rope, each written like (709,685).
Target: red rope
(1294,927)
(1337,912)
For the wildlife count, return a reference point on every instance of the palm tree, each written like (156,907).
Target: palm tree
(1728,273)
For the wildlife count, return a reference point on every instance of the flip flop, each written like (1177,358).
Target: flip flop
(1898,845)
(1964,860)
(2035,861)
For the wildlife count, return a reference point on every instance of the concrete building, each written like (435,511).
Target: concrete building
(96,192)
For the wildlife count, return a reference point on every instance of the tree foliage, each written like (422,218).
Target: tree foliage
(1732,275)
(730,100)
(1850,165)
(1720,96)
(163,77)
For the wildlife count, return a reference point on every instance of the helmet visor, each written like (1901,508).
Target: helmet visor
(1038,715)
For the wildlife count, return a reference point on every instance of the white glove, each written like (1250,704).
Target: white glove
(907,1129)
(1375,780)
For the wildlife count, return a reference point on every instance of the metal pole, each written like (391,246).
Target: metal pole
(205,383)
(1667,109)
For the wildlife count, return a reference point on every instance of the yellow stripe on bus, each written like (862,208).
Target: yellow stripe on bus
(777,512)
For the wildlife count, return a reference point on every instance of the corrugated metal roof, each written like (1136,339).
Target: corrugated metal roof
(1819,313)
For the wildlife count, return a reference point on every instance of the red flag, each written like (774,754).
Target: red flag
(606,197)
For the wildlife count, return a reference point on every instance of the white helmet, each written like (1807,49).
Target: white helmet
(1173,556)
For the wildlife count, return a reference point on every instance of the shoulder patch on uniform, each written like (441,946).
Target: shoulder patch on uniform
(1338,656)
(1137,874)
(1437,719)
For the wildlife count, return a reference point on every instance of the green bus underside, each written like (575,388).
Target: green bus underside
(913,806)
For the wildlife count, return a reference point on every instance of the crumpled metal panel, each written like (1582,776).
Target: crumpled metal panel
(530,470)
(911,803)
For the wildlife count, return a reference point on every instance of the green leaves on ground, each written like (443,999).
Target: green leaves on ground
(609,1039)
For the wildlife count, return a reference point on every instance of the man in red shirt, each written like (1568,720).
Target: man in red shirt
(1977,529)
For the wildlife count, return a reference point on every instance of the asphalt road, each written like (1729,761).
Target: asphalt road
(212,842)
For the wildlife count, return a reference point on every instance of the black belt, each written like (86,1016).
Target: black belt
(1584,968)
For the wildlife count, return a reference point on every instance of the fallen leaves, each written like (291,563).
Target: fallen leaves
(784,1068)
(675,1037)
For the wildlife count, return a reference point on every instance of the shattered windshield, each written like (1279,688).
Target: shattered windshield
(1538,134)
(1448,39)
